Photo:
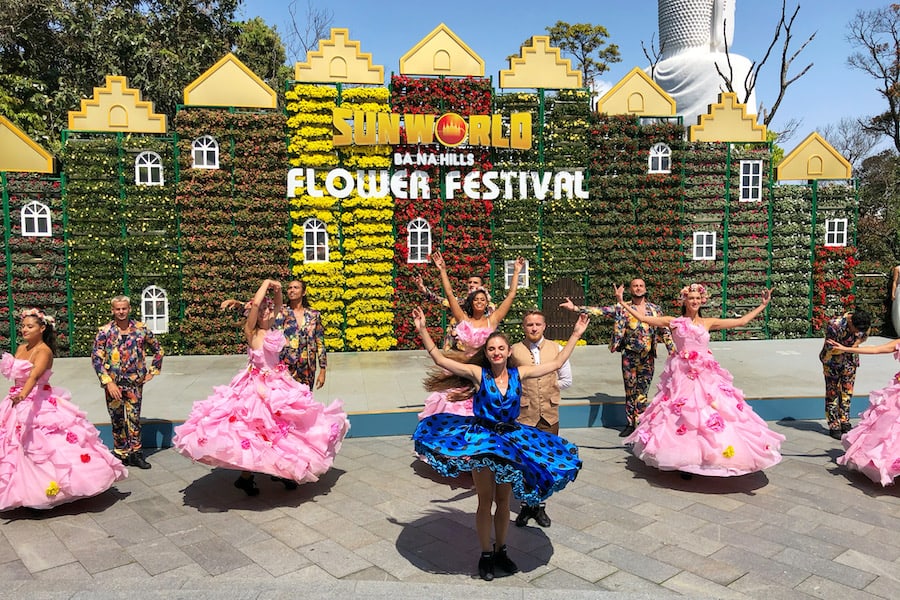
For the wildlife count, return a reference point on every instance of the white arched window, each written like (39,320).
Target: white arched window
(315,241)
(155,309)
(205,150)
(148,169)
(36,220)
(660,160)
(418,240)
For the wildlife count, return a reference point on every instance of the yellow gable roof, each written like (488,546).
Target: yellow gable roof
(637,94)
(441,52)
(230,82)
(117,107)
(19,153)
(814,158)
(727,121)
(540,65)
(339,60)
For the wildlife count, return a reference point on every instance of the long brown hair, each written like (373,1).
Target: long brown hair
(460,388)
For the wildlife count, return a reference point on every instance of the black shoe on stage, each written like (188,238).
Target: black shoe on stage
(540,515)
(835,433)
(248,485)
(525,513)
(486,566)
(136,459)
(845,427)
(503,561)
(629,429)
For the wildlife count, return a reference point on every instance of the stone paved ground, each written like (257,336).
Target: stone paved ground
(381,525)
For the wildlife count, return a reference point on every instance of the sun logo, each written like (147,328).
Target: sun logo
(451,129)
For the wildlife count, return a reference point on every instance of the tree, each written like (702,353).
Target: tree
(851,139)
(65,48)
(787,58)
(876,34)
(587,44)
(260,48)
(879,208)
(306,31)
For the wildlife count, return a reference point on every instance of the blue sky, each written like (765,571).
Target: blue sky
(495,29)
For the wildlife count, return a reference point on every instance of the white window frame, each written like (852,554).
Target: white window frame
(704,245)
(418,240)
(148,169)
(836,232)
(156,321)
(660,159)
(316,249)
(35,220)
(205,152)
(509,267)
(751,180)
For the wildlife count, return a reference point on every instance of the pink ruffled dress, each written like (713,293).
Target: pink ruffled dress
(50,453)
(873,446)
(471,338)
(698,422)
(264,421)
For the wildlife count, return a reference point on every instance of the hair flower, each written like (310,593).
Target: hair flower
(698,288)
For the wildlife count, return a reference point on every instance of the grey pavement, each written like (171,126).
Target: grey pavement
(381,524)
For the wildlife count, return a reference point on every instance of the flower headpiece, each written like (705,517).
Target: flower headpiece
(37,314)
(481,288)
(266,303)
(698,288)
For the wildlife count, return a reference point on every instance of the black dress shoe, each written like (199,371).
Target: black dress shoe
(486,566)
(629,429)
(525,513)
(248,485)
(136,459)
(504,562)
(845,427)
(835,433)
(540,515)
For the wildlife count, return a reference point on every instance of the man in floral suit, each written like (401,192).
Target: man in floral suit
(119,358)
(839,368)
(304,335)
(637,343)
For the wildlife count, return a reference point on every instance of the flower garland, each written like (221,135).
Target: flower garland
(309,109)
(368,239)
(833,271)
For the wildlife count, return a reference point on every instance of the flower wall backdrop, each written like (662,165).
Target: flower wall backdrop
(33,272)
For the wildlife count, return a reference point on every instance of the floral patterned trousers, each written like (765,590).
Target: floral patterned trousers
(125,418)
(637,373)
(839,382)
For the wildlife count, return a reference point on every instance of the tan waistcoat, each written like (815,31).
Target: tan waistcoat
(540,395)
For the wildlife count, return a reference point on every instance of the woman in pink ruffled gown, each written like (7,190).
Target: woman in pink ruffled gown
(49,452)
(873,446)
(474,327)
(264,420)
(698,422)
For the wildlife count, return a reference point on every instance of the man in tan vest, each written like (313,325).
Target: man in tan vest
(540,396)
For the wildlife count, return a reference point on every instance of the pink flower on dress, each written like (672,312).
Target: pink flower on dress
(692,374)
(232,419)
(71,438)
(201,441)
(277,413)
(895,466)
(715,422)
(85,458)
(663,398)
(284,428)
(52,400)
(47,387)
(245,444)
(678,405)
(740,406)
(335,431)
(643,435)
(682,429)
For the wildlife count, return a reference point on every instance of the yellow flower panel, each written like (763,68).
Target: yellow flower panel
(367,214)
(352,294)
(301,119)
(366,162)
(369,318)
(367,268)
(314,160)
(369,281)
(366,94)
(355,201)
(373,305)
(311,91)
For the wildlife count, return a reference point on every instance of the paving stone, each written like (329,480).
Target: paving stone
(755,586)
(639,564)
(820,587)
(712,570)
(582,566)
(694,586)
(159,555)
(334,558)
(777,572)
(846,575)
(216,556)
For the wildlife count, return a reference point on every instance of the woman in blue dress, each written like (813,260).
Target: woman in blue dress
(503,456)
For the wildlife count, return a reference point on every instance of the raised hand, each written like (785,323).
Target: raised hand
(418,318)
(438,259)
(581,324)
(619,291)
(419,283)
(568,304)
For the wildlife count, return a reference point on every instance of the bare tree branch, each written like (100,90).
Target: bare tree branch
(654,55)
(306,31)
(785,81)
